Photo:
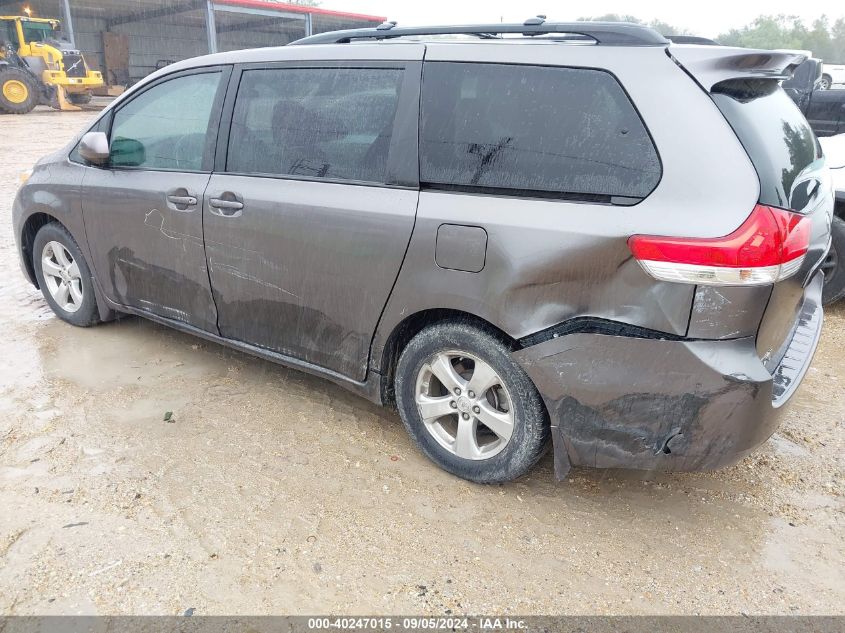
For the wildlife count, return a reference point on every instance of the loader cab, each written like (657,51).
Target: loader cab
(11,32)
(38,31)
(23,32)
(8,34)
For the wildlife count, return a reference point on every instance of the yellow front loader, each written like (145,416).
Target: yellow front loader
(38,66)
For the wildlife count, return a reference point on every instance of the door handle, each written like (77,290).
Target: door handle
(180,199)
(188,201)
(229,205)
(224,207)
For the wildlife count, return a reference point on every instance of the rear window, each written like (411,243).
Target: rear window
(775,134)
(516,129)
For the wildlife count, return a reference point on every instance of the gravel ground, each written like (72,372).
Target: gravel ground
(275,492)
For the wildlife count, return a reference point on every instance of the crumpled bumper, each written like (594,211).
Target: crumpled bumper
(647,403)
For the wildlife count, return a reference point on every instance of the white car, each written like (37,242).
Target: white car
(834,265)
(834,151)
(832,75)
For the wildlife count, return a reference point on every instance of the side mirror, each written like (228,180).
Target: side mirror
(127,152)
(94,147)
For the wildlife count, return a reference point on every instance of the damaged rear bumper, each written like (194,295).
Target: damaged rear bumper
(654,404)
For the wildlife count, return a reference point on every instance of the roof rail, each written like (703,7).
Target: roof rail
(603,33)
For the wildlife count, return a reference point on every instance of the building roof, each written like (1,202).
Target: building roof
(271,5)
(118,9)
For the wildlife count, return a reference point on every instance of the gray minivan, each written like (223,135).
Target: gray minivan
(576,232)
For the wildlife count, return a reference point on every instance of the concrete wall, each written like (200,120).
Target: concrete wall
(89,39)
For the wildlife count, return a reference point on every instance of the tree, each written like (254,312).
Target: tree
(824,40)
(838,40)
(782,31)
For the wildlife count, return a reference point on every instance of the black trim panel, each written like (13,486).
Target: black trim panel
(593,325)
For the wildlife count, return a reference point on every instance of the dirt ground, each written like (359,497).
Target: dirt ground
(275,492)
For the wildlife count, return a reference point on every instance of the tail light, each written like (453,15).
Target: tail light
(768,247)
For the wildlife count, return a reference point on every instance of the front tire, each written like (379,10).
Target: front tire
(834,264)
(17,93)
(826,82)
(64,276)
(468,405)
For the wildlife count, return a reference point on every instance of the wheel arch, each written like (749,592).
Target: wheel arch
(410,326)
(29,229)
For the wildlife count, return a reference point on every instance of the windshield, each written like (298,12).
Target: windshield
(40,32)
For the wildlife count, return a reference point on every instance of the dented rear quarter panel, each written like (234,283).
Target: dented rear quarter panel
(549,261)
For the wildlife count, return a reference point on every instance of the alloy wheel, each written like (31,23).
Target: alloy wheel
(464,405)
(61,276)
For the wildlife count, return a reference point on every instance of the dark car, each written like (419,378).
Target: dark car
(513,237)
(824,108)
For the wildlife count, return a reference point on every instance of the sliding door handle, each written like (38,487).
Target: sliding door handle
(228,205)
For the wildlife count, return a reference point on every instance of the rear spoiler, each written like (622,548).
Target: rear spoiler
(710,65)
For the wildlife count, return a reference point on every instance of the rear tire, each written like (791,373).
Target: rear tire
(64,276)
(834,265)
(492,436)
(17,92)
(826,82)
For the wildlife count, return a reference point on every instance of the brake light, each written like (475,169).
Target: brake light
(768,247)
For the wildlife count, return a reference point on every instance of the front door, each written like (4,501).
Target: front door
(307,225)
(143,212)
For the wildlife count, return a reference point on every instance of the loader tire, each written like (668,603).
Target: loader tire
(17,94)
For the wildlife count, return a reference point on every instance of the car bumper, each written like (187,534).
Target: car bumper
(73,84)
(647,403)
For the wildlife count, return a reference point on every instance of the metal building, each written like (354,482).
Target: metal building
(128,39)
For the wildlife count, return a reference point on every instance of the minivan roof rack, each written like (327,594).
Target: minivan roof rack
(603,33)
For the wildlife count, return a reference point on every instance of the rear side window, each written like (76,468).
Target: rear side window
(332,123)
(775,135)
(560,132)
